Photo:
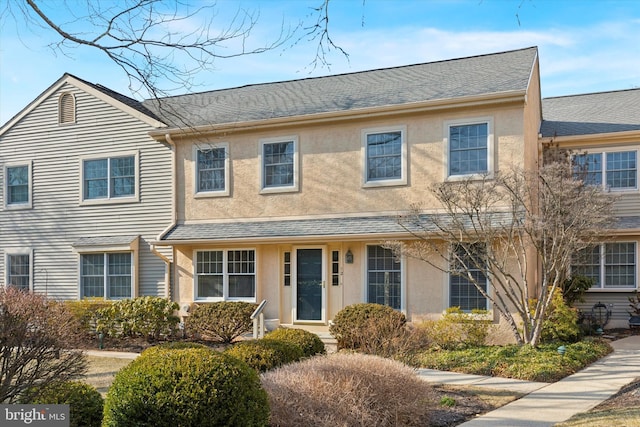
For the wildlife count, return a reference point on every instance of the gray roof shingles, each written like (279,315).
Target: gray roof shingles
(472,76)
(593,113)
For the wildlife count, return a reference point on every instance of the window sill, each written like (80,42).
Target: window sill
(385,183)
(600,290)
(113,201)
(276,190)
(211,194)
(18,207)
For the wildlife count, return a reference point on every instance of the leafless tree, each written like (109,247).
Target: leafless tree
(36,344)
(520,228)
(156,43)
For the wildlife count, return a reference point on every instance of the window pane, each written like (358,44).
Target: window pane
(19,271)
(211,174)
(242,286)
(278,164)
(384,156)
(468,149)
(92,275)
(123,176)
(589,168)
(241,269)
(383,277)
(210,287)
(95,179)
(587,263)
(119,275)
(209,276)
(463,291)
(17,184)
(621,169)
(620,265)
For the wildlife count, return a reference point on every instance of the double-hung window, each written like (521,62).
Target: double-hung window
(385,156)
(467,277)
(610,265)
(19,270)
(469,148)
(279,167)
(384,277)
(225,275)
(617,170)
(17,180)
(109,178)
(212,171)
(106,275)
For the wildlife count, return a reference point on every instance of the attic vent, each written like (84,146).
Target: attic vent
(66,109)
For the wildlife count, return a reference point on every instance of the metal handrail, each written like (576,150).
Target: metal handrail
(258,320)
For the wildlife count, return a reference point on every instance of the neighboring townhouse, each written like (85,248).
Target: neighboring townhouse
(285,190)
(603,131)
(85,190)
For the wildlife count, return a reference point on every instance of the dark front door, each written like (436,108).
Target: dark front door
(309,284)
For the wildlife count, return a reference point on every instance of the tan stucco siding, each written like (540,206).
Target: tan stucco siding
(331,167)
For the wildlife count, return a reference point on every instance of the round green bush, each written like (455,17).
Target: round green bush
(354,318)
(265,354)
(85,402)
(186,387)
(178,345)
(310,343)
(221,321)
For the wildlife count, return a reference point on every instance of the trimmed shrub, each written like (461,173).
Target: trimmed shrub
(86,312)
(266,354)
(347,389)
(85,402)
(458,329)
(222,321)
(349,321)
(309,343)
(178,345)
(147,317)
(561,321)
(187,387)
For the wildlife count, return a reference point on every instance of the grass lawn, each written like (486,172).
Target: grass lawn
(102,370)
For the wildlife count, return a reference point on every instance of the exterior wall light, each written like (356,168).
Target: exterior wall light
(348,257)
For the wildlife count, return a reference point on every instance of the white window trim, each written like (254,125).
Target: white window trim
(5,172)
(225,275)
(365,277)
(134,270)
(214,193)
(602,271)
(403,157)
(14,252)
(490,147)
(447,292)
(296,169)
(111,200)
(603,160)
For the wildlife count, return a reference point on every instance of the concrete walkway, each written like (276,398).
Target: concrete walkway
(548,404)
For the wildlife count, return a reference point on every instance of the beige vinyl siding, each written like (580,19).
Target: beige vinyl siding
(619,310)
(57,218)
(628,203)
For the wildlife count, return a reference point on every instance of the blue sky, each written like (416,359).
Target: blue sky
(585,45)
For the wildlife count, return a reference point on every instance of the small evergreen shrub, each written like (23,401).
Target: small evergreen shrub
(458,329)
(348,389)
(574,288)
(349,321)
(146,317)
(85,402)
(86,312)
(265,354)
(561,321)
(186,387)
(222,321)
(178,345)
(309,343)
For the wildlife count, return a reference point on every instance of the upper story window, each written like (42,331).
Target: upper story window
(616,170)
(106,275)
(17,191)
(19,270)
(469,148)
(225,275)
(385,156)
(66,108)
(279,164)
(610,265)
(109,178)
(212,171)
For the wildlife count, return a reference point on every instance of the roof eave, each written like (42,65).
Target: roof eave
(514,96)
(599,137)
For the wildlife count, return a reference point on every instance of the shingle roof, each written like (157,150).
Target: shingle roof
(306,228)
(478,75)
(592,113)
(104,241)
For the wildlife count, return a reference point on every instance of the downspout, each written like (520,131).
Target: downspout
(154,249)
